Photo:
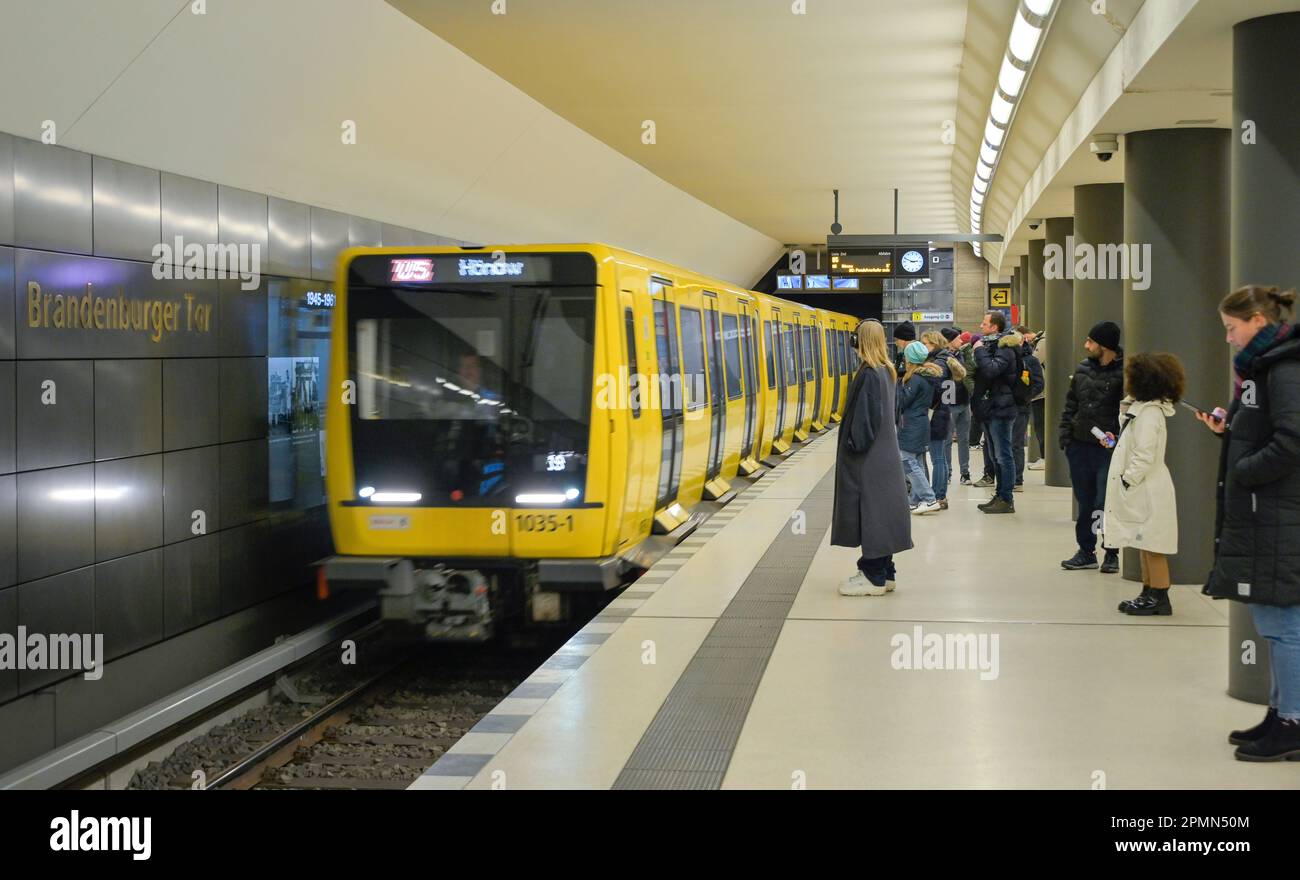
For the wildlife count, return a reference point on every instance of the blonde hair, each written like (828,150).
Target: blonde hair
(934,338)
(1254,299)
(872,350)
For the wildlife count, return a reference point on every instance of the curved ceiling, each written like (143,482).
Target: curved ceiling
(255,95)
(758,110)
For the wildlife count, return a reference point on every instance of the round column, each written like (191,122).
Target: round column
(1027,279)
(1098,224)
(1058,363)
(1265,160)
(1176,188)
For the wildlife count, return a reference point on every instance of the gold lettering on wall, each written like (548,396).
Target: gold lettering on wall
(93,311)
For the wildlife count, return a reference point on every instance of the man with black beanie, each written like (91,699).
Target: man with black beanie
(903,334)
(1096,389)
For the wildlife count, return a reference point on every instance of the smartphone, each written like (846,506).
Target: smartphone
(1196,409)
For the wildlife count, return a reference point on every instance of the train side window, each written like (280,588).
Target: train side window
(693,357)
(832,354)
(751,355)
(770,339)
(731,354)
(633,378)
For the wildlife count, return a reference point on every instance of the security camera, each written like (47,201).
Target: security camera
(1104,146)
(1034,224)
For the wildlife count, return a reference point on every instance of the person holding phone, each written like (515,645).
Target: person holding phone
(1257,524)
(1141,507)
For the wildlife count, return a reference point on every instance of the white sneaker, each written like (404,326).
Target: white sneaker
(858,585)
(889,586)
(926,508)
(1035,465)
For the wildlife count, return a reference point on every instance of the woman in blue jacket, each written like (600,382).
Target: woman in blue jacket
(921,378)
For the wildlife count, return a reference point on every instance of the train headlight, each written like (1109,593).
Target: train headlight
(395,497)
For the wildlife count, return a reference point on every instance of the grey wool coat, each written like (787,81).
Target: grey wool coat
(871,509)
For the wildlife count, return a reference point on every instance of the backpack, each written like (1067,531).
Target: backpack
(1022,390)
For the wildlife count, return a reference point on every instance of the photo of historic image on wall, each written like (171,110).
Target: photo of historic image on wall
(295,416)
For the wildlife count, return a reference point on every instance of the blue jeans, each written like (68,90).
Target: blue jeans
(1089,467)
(879,568)
(1280,627)
(961,424)
(1000,437)
(921,492)
(939,455)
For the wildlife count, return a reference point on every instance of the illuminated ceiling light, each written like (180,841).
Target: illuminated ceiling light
(988,155)
(1000,109)
(977,198)
(994,135)
(367,491)
(1024,39)
(1010,77)
(570,493)
(984,171)
(981,186)
(1040,7)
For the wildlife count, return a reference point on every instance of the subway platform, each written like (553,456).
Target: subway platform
(734,663)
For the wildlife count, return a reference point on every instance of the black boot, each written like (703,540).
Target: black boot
(1241,737)
(1129,603)
(1110,564)
(1282,742)
(1081,559)
(1154,602)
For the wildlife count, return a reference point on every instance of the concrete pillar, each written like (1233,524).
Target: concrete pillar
(1032,295)
(1098,221)
(1176,203)
(1027,273)
(1015,285)
(1265,157)
(1058,322)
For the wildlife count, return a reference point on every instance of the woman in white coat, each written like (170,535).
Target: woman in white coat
(1140,507)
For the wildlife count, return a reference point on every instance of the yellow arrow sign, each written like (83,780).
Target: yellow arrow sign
(1000,296)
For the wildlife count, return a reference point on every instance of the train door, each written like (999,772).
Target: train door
(634,327)
(780,338)
(833,359)
(717,389)
(815,337)
(669,389)
(800,377)
(748,326)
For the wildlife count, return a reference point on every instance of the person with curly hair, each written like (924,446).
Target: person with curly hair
(1140,510)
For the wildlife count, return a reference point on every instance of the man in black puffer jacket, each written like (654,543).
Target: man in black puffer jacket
(993,400)
(1096,389)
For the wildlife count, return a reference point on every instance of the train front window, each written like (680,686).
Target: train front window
(473,392)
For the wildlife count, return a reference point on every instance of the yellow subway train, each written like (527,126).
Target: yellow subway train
(510,427)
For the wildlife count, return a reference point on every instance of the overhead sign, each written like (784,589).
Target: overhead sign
(910,261)
(999,295)
(930,317)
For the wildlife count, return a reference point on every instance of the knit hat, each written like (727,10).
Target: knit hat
(905,331)
(966,337)
(1105,334)
(949,333)
(976,337)
(916,352)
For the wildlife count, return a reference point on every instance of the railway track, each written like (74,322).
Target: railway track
(376,726)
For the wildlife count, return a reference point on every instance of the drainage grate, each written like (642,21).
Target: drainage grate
(689,743)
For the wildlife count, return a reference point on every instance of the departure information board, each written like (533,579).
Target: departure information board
(863,261)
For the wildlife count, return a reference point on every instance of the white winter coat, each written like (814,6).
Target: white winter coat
(1145,515)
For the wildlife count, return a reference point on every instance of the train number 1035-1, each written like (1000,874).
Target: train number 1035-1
(544,522)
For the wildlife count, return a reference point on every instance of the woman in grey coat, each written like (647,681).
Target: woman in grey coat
(871,509)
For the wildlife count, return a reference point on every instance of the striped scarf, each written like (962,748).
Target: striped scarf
(1266,338)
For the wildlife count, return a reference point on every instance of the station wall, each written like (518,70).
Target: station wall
(160,437)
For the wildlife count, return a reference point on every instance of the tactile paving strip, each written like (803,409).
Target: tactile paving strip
(689,743)
(739,638)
